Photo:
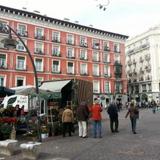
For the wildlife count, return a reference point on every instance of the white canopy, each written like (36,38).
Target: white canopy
(54,86)
(27,90)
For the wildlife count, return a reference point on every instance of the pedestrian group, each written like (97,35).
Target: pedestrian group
(83,113)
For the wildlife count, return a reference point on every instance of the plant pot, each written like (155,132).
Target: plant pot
(44,135)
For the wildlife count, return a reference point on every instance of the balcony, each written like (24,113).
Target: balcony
(40,37)
(3,28)
(22,34)
(56,54)
(21,68)
(83,58)
(84,74)
(96,46)
(56,40)
(70,42)
(70,57)
(106,48)
(38,51)
(83,45)
(107,75)
(3,66)
(130,51)
(55,71)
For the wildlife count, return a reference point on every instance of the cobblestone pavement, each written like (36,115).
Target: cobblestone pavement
(120,146)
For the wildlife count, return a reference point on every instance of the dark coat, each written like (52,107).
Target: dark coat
(82,112)
(113,111)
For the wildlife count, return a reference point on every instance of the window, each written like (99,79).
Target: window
(117,47)
(22,30)
(105,57)
(95,69)
(56,36)
(70,68)
(106,70)
(2,61)
(20,46)
(118,87)
(39,33)
(96,56)
(21,65)
(2,27)
(144,88)
(106,87)
(96,87)
(39,64)
(70,39)
(56,51)
(56,66)
(106,46)
(96,44)
(39,48)
(83,69)
(70,52)
(83,54)
(83,41)
(2,80)
(20,81)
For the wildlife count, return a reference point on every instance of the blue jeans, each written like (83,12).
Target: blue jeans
(97,128)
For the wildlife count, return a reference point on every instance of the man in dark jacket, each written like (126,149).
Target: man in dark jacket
(82,117)
(113,115)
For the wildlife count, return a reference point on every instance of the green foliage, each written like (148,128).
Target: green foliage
(5,130)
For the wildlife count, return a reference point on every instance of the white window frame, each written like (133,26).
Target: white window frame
(20,78)
(83,68)
(70,52)
(56,50)
(107,83)
(70,71)
(3,63)
(20,46)
(39,34)
(96,56)
(83,54)
(56,69)
(39,47)
(70,38)
(55,36)
(18,65)
(83,41)
(95,69)
(39,69)
(96,86)
(21,31)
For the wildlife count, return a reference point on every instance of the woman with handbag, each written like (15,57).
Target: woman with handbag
(133,112)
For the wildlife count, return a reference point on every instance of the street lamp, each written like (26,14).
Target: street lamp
(11,43)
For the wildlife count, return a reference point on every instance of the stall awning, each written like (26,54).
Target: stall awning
(6,91)
(54,86)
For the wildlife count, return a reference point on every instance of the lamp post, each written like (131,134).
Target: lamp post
(11,43)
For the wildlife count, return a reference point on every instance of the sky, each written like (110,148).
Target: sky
(127,17)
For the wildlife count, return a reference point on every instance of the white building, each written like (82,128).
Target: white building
(143,65)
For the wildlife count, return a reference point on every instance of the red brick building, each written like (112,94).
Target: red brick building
(61,49)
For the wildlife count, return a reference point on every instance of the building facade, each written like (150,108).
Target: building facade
(143,65)
(61,50)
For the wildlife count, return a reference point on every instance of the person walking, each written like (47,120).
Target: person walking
(67,120)
(113,116)
(133,112)
(82,117)
(96,117)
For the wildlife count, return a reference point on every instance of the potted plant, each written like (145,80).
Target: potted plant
(44,131)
